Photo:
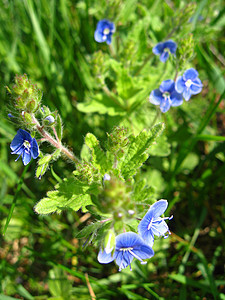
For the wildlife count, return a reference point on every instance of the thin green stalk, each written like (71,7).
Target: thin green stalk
(19,186)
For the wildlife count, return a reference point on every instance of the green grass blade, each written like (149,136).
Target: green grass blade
(19,186)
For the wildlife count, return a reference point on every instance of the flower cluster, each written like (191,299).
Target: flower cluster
(171,93)
(130,245)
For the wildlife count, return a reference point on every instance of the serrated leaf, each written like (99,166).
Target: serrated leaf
(98,155)
(68,194)
(87,230)
(136,153)
(58,204)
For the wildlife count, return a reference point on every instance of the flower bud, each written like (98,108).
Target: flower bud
(49,120)
(109,241)
(27,117)
(31,106)
(26,95)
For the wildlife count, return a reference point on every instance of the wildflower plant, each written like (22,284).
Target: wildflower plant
(105,181)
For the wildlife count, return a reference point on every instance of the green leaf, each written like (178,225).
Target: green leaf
(45,159)
(102,104)
(59,127)
(41,170)
(160,148)
(70,193)
(142,192)
(89,229)
(98,155)
(136,153)
(125,85)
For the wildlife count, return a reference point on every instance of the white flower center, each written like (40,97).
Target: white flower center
(126,249)
(26,144)
(106,31)
(188,83)
(166,95)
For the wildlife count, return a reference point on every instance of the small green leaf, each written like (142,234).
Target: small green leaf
(44,160)
(102,104)
(136,153)
(98,155)
(89,229)
(59,127)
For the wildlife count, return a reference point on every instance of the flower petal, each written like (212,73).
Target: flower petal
(155,211)
(26,136)
(176,99)
(159,227)
(105,258)
(158,49)
(146,234)
(123,259)
(109,39)
(180,84)
(167,86)
(158,208)
(98,36)
(164,56)
(156,97)
(26,157)
(171,45)
(144,252)
(187,93)
(112,27)
(190,74)
(17,141)
(34,149)
(196,86)
(127,239)
(165,104)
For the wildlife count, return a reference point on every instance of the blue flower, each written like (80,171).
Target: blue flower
(189,84)
(128,246)
(104,31)
(23,144)
(166,96)
(163,49)
(152,224)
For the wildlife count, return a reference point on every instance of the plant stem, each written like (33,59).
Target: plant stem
(54,142)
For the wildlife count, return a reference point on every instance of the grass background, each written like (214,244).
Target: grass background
(52,41)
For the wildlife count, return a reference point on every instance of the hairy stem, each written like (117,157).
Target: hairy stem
(55,143)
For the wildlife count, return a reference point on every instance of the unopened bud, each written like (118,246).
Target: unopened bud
(109,241)
(49,120)
(106,177)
